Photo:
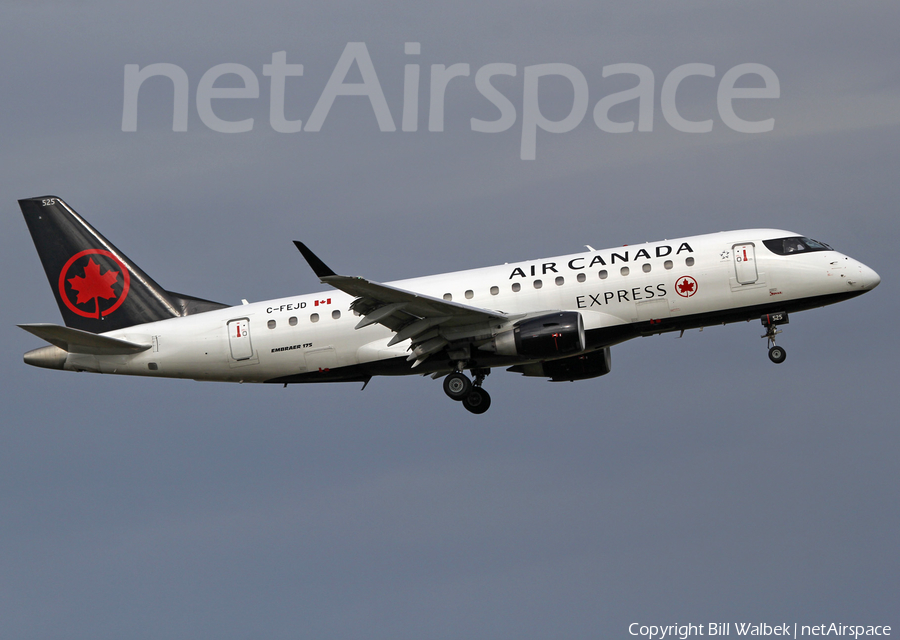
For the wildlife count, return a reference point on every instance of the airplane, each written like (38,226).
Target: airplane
(553,318)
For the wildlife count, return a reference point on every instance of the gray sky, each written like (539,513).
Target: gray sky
(696,483)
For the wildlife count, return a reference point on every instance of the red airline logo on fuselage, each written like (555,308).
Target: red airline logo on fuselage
(686,286)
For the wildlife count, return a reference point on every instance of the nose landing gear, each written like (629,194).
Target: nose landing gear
(458,387)
(770,322)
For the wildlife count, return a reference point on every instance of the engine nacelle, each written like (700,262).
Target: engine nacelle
(580,367)
(550,336)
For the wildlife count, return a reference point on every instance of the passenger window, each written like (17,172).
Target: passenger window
(516,286)
(560,281)
(624,271)
(292,321)
(448,297)
(314,317)
(668,264)
(336,314)
(538,284)
(646,268)
(495,291)
(271,324)
(469,294)
(689,261)
(604,275)
(581,277)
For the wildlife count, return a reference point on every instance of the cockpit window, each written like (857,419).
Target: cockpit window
(797,244)
(815,245)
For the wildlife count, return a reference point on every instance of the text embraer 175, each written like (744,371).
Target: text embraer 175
(555,318)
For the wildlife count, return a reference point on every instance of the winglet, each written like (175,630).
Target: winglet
(319,267)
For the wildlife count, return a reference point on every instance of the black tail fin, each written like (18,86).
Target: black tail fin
(96,286)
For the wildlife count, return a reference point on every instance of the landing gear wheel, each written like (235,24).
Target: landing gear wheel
(478,401)
(457,386)
(777,354)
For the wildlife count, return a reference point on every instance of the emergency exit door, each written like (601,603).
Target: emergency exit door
(239,339)
(745,263)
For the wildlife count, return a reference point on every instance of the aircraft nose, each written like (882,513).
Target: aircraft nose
(867,278)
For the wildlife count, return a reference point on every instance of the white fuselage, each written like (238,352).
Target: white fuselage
(620,293)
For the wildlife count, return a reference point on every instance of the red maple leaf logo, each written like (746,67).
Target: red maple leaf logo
(94,285)
(686,286)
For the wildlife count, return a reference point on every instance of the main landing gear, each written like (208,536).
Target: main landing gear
(771,321)
(457,386)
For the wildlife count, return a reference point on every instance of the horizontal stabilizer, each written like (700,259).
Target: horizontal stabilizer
(78,341)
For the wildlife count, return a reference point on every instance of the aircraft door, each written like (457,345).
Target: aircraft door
(239,339)
(745,263)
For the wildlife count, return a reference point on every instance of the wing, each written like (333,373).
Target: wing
(431,324)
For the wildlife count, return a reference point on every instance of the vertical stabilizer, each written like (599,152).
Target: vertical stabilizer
(97,287)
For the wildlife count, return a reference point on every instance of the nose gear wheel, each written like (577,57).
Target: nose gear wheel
(777,354)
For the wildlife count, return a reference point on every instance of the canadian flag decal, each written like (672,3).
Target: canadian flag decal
(322,302)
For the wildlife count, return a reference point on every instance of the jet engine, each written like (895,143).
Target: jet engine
(580,367)
(549,336)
